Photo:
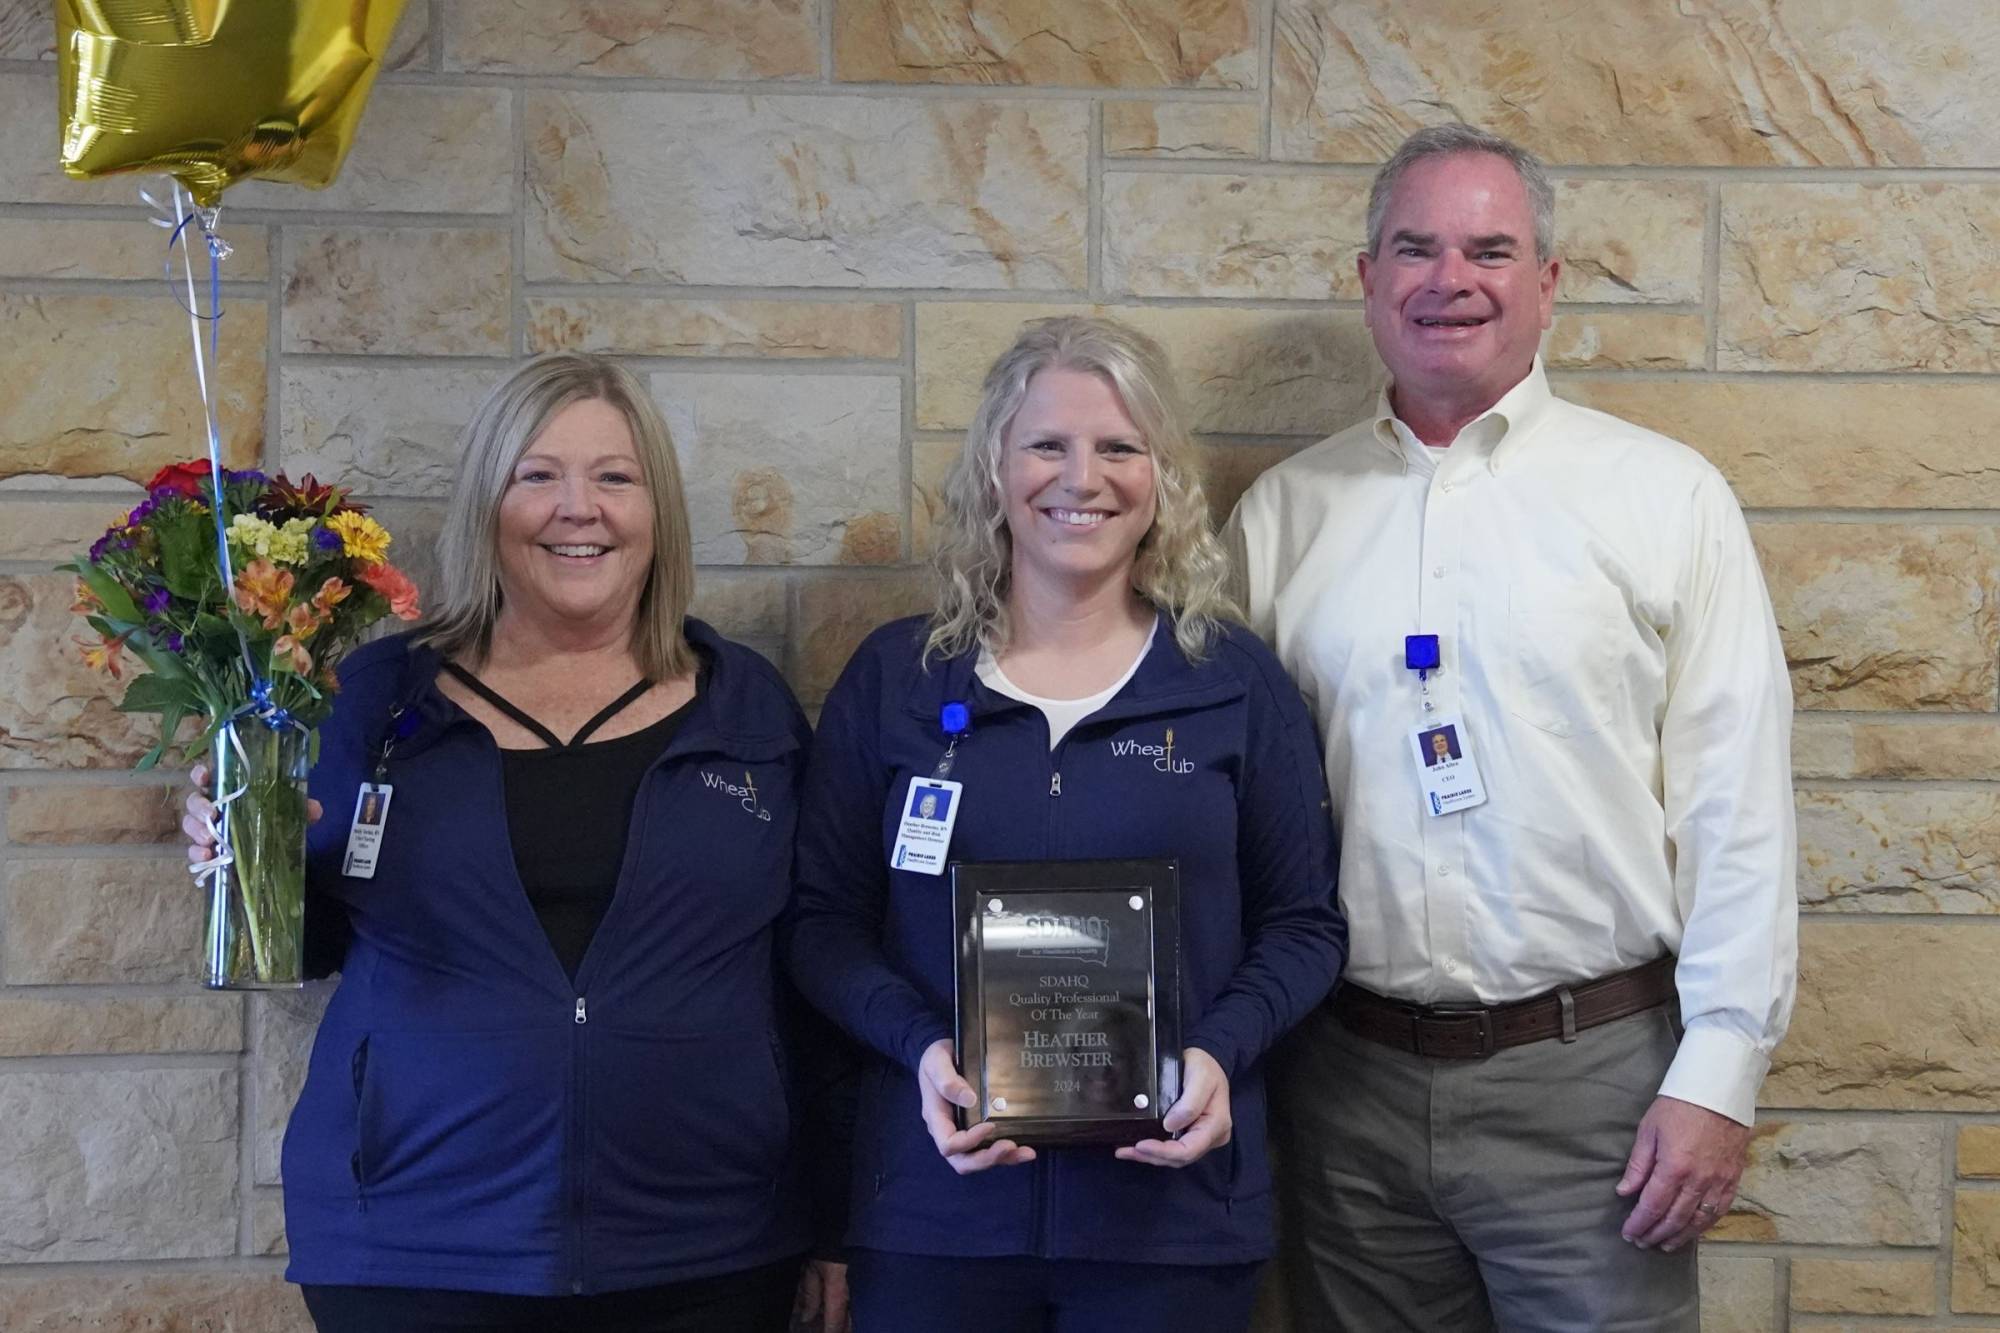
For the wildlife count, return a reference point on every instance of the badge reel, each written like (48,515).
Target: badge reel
(1447,773)
(930,808)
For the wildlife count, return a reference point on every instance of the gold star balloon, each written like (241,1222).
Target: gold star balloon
(216,91)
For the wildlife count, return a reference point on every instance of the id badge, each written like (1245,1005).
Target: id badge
(364,835)
(923,843)
(1446,770)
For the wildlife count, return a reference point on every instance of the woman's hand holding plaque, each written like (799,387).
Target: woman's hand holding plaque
(1200,1120)
(941,1087)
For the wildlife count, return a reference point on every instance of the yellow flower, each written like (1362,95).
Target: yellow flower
(361,536)
(252,535)
(290,543)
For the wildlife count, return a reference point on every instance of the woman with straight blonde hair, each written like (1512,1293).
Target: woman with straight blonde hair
(550,1092)
(1084,682)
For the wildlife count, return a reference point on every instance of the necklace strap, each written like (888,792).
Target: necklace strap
(609,711)
(542,733)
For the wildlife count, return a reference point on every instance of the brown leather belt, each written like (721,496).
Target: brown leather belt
(1469,1032)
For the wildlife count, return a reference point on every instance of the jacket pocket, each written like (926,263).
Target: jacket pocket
(454,1124)
(1562,655)
(687,1134)
(358,1070)
(321,1156)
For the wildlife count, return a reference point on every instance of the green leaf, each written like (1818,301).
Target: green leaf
(118,603)
(159,694)
(170,724)
(187,555)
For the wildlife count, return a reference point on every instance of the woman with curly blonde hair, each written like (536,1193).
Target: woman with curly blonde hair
(1084,671)
(1179,566)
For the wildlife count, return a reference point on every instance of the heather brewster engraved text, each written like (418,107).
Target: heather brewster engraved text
(1065,973)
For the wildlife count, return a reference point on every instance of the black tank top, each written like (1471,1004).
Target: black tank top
(569,811)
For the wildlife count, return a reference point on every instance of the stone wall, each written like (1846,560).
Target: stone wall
(808,224)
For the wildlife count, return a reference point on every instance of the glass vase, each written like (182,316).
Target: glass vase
(256,906)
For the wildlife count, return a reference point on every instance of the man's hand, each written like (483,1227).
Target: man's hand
(1684,1166)
(967,1150)
(1201,1118)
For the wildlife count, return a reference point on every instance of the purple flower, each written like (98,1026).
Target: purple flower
(326,539)
(246,475)
(145,508)
(99,547)
(174,641)
(156,601)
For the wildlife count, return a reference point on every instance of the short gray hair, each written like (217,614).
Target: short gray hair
(1445,140)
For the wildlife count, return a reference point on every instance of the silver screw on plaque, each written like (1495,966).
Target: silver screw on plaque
(1141,1101)
(999,1103)
(1135,902)
(992,904)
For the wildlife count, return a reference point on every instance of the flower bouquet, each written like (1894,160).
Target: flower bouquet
(239,617)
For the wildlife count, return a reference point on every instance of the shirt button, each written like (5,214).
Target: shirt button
(1437,572)
(1444,870)
(1451,966)
(1448,485)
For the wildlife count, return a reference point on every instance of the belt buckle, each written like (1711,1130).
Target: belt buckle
(1477,1014)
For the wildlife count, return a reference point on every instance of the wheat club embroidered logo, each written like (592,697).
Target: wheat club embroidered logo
(1162,755)
(746,795)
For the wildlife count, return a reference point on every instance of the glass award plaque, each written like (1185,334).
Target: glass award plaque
(1068,997)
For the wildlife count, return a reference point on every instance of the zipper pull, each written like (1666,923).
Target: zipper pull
(581,1015)
(1055,784)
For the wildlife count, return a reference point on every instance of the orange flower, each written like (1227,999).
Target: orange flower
(86,603)
(288,647)
(263,590)
(331,594)
(302,620)
(394,585)
(104,656)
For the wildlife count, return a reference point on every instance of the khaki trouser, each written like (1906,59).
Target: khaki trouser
(1465,1196)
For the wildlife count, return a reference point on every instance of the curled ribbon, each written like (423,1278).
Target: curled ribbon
(262,706)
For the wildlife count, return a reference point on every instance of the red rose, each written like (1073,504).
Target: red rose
(186,479)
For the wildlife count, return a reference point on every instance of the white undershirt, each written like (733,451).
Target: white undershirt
(1062,714)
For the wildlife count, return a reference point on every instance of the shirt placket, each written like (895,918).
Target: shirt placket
(1440,611)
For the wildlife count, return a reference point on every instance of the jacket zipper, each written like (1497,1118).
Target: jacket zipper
(1045,1164)
(577,1201)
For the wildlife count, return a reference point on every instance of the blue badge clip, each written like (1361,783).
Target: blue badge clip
(956,719)
(1420,652)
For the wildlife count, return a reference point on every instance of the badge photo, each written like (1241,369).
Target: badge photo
(923,841)
(1446,770)
(364,834)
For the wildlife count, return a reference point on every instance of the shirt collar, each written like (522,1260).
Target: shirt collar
(1493,432)
(1164,678)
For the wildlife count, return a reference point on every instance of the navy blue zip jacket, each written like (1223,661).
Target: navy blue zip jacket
(1241,803)
(473,1119)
